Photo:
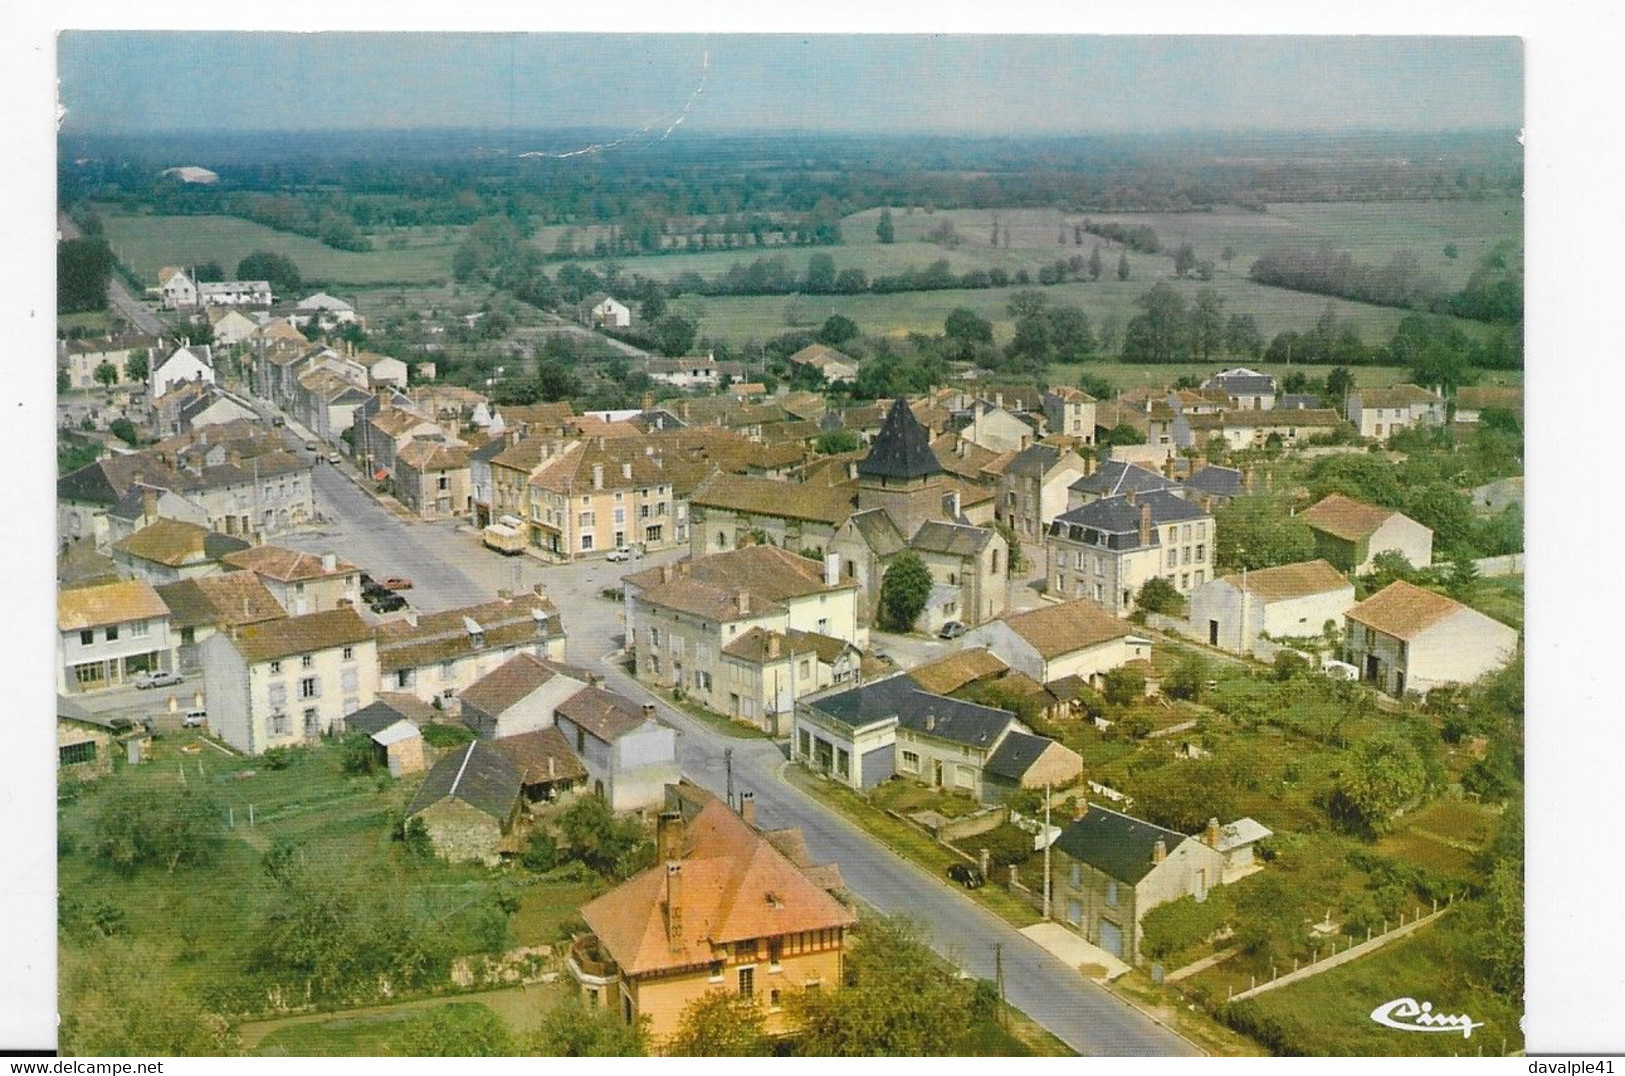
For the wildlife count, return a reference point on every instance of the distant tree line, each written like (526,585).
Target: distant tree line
(1494,293)
(1139,237)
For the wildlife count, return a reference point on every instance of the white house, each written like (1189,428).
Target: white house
(1404,638)
(285,682)
(176,288)
(231,326)
(1380,413)
(1108,549)
(519,696)
(324,308)
(630,757)
(1350,534)
(235,293)
(109,634)
(184,364)
(1247,389)
(601,309)
(1075,638)
(696,371)
(1292,600)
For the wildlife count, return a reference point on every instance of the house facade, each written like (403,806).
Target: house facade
(301,582)
(470,804)
(1033,488)
(108,635)
(629,755)
(1381,413)
(1350,534)
(519,697)
(1075,638)
(443,655)
(1289,601)
(286,682)
(1406,639)
(1108,549)
(1070,412)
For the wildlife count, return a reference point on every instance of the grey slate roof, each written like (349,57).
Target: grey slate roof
(1118,846)
(950,539)
(1034,460)
(879,531)
(1016,755)
(1116,477)
(374,718)
(1242,384)
(1298,401)
(902,448)
(899,696)
(478,774)
(1218,481)
(1115,515)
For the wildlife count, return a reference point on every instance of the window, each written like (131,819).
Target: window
(586,542)
(278,696)
(74,753)
(308,688)
(716,971)
(806,667)
(911,760)
(443,482)
(1200,578)
(1077,875)
(112,633)
(1111,894)
(747,982)
(843,762)
(1201,552)
(313,722)
(620,515)
(585,519)
(87,638)
(307,660)
(806,747)
(138,630)
(773,999)
(279,724)
(1173,556)
(775,956)
(403,677)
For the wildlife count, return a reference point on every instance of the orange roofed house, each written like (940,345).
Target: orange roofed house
(726,907)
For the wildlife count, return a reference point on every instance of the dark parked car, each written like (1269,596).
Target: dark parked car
(951,630)
(389,603)
(966,875)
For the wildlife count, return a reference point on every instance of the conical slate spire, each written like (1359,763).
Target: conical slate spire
(902,449)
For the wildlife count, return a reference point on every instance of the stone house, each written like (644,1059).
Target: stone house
(763,672)
(301,582)
(1289,601)
(85,742)
(1075,638)
(439,656)
(725,510)
(1108,549)
(285,682)
(432,479)
(1350,533)
(85,356)
(1033,488)
(1404,638)
(169,550)
(1070,412)
(198,608)
(519,696)
(1111,869)
(397,742)
(470,803)
(969,569)
(726,908)
(629,755)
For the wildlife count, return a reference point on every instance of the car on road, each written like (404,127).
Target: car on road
(615,556)
(884,658)
(195,719)
(397,582)
(332,457)
(157,678)
(966,875)
(389,603)
(951,630)
(310,446)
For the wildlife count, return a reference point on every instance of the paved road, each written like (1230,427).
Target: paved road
(451,568)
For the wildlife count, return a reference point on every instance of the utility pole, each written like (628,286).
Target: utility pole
(728,761)
(1046,849)
(998,975)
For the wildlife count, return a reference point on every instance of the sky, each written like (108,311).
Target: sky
(154,81)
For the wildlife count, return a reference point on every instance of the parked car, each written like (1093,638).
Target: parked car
(157,678)
(884,658)
(618,554)
(966,875)
(195,719)
(310,446)
(397,582)
(332,457)
(951,630)
(389,603)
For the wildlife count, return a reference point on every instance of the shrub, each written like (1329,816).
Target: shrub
(1184,924)
(277,758)
(1006,845)
(542,854)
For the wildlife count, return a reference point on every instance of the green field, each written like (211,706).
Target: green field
(148,243)
(1329,1014)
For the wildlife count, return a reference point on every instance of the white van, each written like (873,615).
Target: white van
(195,719)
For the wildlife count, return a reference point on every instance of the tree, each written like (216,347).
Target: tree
(83,268)
(614,847)
(1094,263)
(1254,532)
(1183,796)
(572,1029)
(1339,383)
(1026,303)
(885,231)
(1184,260)
(820,279)
(1207,323)
(1122,266)
(124,430)
(721,1024)
(1124,686)
(835,442)
(459,1029)
(106,374)
(1450,251)
(1228,254)
(837,330)
(278,270)
(1157,595)
(1186,679)
(208,272)
(653,308)
(1070,334)
(1502,950)
(119,998)
(1380,775)
(674,335)
(967,328)
(1463,582)
(140,826)
(1242,336)
(903,592)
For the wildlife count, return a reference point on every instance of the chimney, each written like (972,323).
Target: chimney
(742,602)
(668,835)
(674,905)
(747,807)
(330,562)
(832,569)
(552,766)
(772,644)
(998,400)
(930,722)
(598,476)
(149,502)
(1145,525)
(1129,496)
(1080,807)
(648,711)
(1211,837)
(1197,463)
(648,401)
(1159,851)
(540,617)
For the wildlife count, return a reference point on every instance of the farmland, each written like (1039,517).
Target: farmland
(148,243)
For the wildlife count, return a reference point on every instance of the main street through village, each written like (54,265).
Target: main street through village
(449,568)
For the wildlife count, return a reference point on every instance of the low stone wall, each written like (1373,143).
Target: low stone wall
(1511,564)
(957,829)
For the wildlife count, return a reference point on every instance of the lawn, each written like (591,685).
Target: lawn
(148,243)
(371,1033)
(1329,1014)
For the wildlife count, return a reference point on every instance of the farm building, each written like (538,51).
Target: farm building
(1350,534)
(1292,600)
(470,804)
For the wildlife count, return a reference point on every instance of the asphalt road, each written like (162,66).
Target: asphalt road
(450,568)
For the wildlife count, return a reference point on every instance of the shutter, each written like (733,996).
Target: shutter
(349,679)
(279,695)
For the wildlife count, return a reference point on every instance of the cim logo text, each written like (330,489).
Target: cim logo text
(1406,1014)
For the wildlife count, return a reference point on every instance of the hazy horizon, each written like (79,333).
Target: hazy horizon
(162,82)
